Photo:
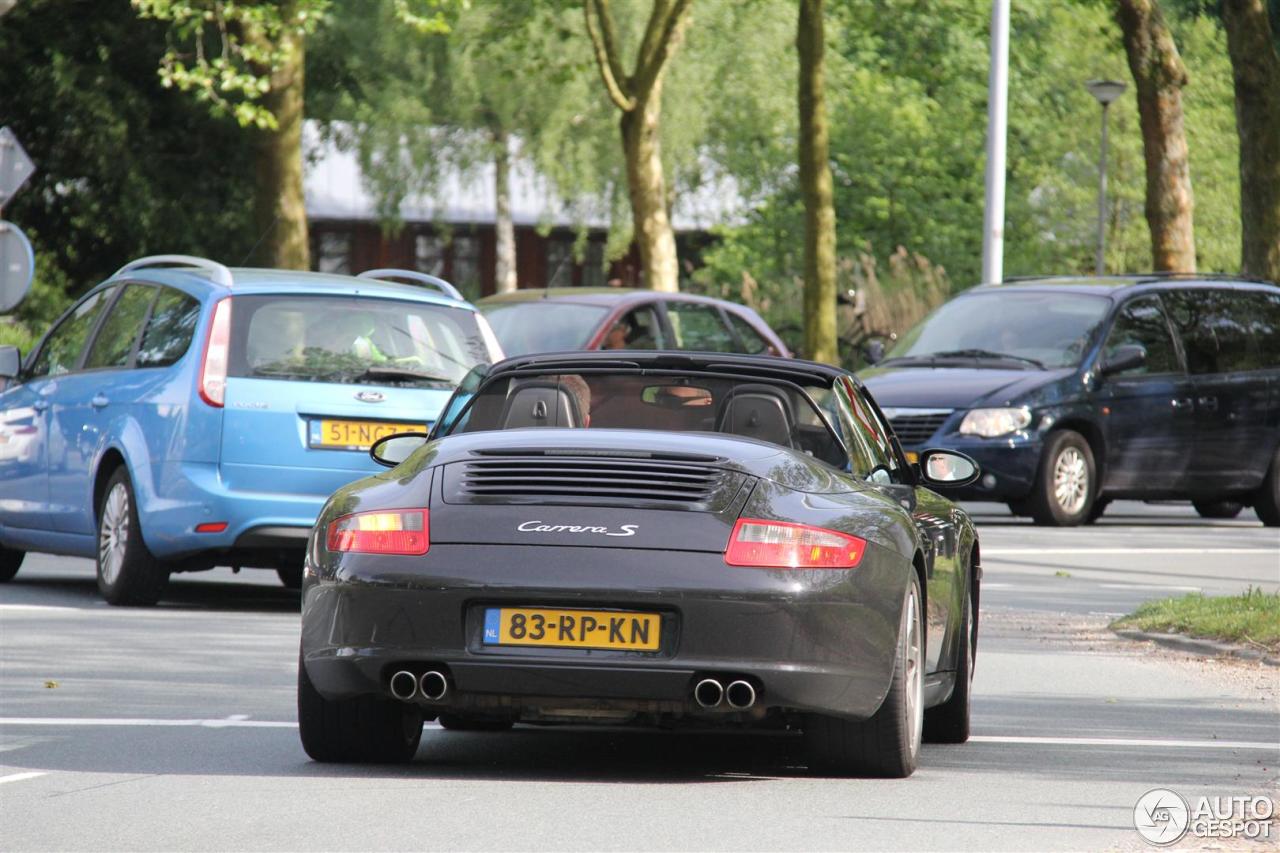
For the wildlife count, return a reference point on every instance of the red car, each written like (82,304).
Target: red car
(579,318)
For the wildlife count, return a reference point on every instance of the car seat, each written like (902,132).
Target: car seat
(541,404)
(761,412)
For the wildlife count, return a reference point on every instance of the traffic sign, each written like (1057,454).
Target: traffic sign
(15,165)
(17,266)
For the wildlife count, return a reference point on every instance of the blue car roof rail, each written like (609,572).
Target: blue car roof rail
(219,274)
(417,278)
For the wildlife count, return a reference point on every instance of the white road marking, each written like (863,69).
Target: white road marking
(1149,586)
(1015,552)
(19,777)
(231,722)
(1116,741)
(41,608)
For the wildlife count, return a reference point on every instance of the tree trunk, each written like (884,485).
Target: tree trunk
(815,186)
(504,227)
(1255,65)
(646,185)
(280,214)
(1158,76)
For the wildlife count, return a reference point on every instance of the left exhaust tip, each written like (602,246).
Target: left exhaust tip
(403,685)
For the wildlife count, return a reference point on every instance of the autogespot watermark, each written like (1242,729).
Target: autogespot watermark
(1163,817)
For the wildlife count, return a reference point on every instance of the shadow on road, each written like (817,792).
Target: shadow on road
(184,592)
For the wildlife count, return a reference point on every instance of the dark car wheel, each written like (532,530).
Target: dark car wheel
(949,722)
(10,562)
(290,576)
(366,729)
(1266,502)
(457,723)
(888,743)
(1218,509)
(1064,489)
(128,574)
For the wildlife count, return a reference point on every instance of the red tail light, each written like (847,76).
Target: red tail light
(782,545)
(217,347)
(396,531)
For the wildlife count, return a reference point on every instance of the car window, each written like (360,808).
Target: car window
(867,439)
(1215,330)
(62,348)
(543,326)
(752,342)
(114,342)
(699,327)
(353,340)
(1141,322)
(170,329)
(638,329)
(1263,313)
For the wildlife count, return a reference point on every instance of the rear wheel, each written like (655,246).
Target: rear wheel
(290,576)
(949,722)
(1266,502)
(128,574)
(10,562)
(888,743)
(1064,488)
(366,729)
(1218,509)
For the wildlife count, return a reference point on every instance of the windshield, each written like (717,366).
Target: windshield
(352,339)
(1030,328)
(527,327)
(662,400)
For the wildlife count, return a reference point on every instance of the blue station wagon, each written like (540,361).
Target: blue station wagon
(184,415)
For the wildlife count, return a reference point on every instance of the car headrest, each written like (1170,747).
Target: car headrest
(761,412)
(541,405)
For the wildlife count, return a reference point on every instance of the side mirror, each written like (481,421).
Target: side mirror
(1124,358)
(873,352)
(947,468)
(10,362)
(394,449)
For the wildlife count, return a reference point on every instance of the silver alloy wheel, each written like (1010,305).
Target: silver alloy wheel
(1071,480)
(914,655)
(113,535)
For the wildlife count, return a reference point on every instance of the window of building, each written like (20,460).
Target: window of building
(333,252)
(593,270)
(466,264)
(559,263)
(428,254)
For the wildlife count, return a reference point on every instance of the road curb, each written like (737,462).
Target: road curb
(1204,648)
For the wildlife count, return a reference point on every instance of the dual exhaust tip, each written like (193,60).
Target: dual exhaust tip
(711,693)
(431,685)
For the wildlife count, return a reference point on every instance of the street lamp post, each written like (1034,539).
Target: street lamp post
(1105,91)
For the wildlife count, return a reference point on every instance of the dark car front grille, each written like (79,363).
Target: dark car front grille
(915,429)
(622,478)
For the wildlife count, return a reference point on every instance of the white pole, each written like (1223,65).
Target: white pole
(997,130)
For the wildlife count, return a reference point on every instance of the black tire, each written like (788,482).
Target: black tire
(128,574)
(1065,483)
(887,744)
(1218,509)
(290,576)
(363,730)
(1099,507)
(10,562)
(949,722)
(1266,501)
(456,723)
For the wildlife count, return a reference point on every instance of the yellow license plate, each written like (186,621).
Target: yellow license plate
(912,456)
(355,435)
(572,629)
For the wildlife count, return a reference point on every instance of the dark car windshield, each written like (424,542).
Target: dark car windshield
(668,401)
(1013,327)
(529,327)
(353,340)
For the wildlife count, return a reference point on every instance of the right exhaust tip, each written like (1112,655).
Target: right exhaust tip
(434,685)
(403,685)
(708,693)
(740,695)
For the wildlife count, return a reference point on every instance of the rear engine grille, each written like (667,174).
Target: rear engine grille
(916,429)
(596,478)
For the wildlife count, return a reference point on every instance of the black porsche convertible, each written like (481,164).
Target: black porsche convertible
(646,538)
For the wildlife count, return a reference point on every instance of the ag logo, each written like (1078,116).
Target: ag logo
(1161,816)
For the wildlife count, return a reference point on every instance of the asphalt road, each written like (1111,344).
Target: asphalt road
(173,727)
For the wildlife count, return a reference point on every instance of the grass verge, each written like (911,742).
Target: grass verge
(1252,618)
